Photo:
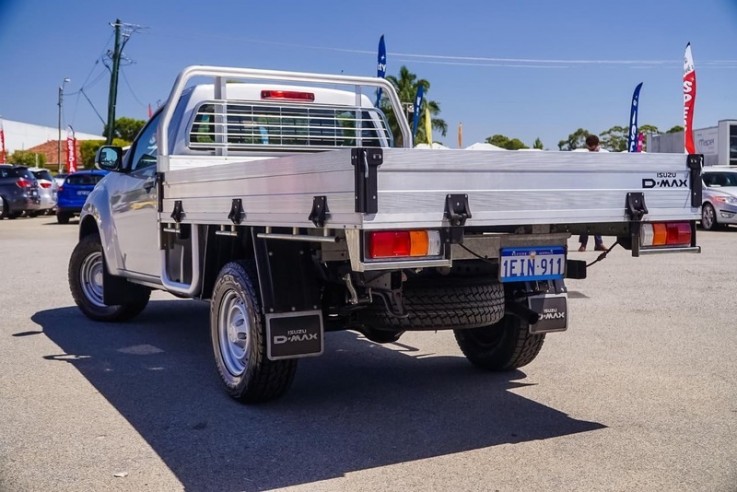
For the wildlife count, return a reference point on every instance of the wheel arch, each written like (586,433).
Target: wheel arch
(96,217)
(220,251)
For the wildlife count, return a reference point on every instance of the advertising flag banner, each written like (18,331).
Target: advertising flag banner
(2,143)
(428,125)
(640,141)
(689,100)
(460,135)
(380,67)
(71,151)
(632,135)
(150,111)
(416,110)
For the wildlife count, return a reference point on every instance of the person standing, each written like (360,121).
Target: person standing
(593,145)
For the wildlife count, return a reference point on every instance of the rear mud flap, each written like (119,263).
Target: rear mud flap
(553,311)
(293,335)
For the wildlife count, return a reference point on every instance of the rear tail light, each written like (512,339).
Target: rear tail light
(665,234)
(24,183)
(45,184)
(293,95)
(403,244)
(59,189)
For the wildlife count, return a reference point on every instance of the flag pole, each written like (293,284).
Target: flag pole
(689,100)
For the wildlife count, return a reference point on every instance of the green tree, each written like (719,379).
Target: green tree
(126,128)
(648,129)
(538,144)
(406,85)
(575,140)
(88,149)
(27,158)
(615,138)
(505,142)
(675,129)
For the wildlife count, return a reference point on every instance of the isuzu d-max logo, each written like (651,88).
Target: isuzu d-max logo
(665,180)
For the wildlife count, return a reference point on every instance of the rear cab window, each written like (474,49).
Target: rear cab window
(249,126)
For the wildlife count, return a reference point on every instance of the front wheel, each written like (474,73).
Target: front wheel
(502,346)
(85,281)
(238,333)
(709,218)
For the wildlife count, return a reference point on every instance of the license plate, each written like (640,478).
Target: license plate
(535,263)
(83,193)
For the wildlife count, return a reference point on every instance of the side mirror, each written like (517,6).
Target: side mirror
(109,157)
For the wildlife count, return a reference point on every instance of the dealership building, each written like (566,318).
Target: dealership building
(717,143)
(42,140)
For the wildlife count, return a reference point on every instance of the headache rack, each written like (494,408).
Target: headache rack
(285,126)
(222,123)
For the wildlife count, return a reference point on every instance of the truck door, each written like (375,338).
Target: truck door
(133,197)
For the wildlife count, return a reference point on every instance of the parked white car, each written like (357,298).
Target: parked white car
(47,190)
(720,197)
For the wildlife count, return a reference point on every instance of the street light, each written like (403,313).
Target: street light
(58,142)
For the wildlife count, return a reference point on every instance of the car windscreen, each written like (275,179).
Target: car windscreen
(83,179)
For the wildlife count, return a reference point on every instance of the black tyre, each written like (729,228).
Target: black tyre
(3,208)
(503,346)
(238,334)
(62,218)
(709,218)
(441,304)
(85,281)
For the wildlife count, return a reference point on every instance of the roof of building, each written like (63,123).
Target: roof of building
(24,136)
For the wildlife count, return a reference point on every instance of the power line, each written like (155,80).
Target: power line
(125,79)
(81,91)
(472,60)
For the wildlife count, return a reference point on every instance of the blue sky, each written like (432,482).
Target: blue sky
(522,68)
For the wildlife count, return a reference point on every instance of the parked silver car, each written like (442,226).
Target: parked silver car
(47,190)
(720,197)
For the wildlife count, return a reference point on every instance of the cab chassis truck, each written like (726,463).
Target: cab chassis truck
(281,199)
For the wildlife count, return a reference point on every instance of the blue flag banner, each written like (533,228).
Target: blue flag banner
(632,135)
(380,67)
(416,110)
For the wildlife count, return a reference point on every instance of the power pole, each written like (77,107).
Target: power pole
(58,142)
(113,95)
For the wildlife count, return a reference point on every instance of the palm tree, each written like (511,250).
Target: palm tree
(406,86)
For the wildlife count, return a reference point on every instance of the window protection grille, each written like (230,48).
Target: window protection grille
(264,126)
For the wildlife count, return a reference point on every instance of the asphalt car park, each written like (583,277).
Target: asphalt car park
(639,394)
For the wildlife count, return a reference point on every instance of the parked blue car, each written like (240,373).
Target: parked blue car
(73,193)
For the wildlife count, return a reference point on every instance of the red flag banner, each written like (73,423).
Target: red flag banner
(689,99)
(71,151)
(640,141)
(150,111)
(2,143)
